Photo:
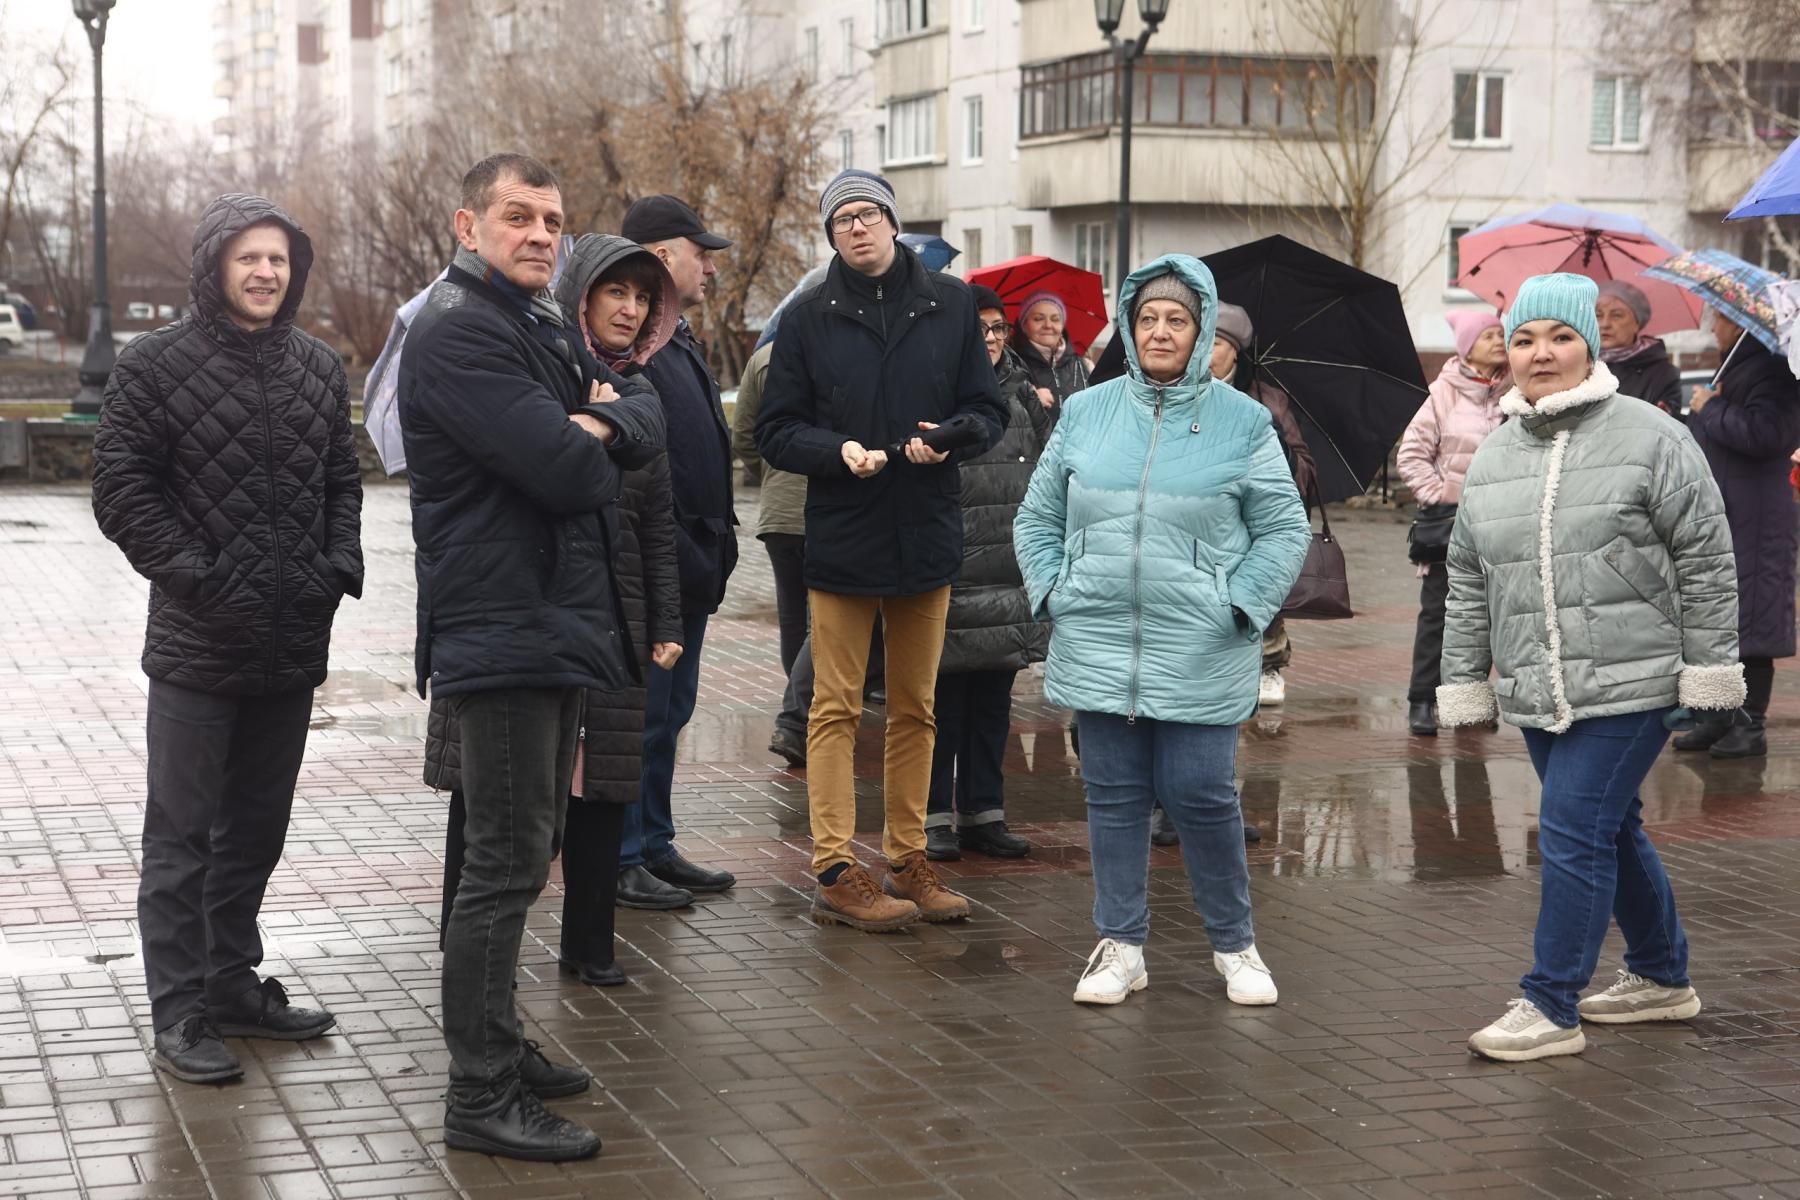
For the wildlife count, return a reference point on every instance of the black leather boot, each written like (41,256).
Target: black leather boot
(638,888)
(516,1125)
(993,839)
(550,1080)
(941,844)
(592,973)
(1422,719)
(1744,739)
(264,1012)
(192,1051)
(1709,727)
(678,872)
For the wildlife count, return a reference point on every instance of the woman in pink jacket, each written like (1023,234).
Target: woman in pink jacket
(1462,409)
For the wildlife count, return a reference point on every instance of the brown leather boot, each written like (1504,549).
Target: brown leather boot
(854,900)
(915,879)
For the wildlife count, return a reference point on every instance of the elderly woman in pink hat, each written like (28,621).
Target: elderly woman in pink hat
(1463,407)
(1042,342)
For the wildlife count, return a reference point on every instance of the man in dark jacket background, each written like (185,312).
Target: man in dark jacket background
(225,468)
(515,439)
(652,872)
(879,352)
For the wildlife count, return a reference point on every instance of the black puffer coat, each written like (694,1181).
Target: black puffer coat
(1068,376)
(866,360)
(989,627)
(1651,375)
(1747,432)
(513,504)
(225,468)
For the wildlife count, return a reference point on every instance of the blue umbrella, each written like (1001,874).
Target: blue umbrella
(932,250)
(1777,193)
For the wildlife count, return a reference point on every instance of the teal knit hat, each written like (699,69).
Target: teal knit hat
(1560,297)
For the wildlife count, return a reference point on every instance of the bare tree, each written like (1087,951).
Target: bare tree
(35,81)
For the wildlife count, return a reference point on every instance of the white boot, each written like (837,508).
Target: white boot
(1114,971)
(1247,979)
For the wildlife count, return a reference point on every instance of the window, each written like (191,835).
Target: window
(1478,115)
(911,130)
(262,18)
(503,33)
(901,18)
(1775,249)
(265,59)
(1093,249)
(971,248)
(1021,241)
(396,75)
(1618,112)
(1197,91)
(1747,99)
(809,58)
(725,57)
(847,46)
(1452,256)
(974,15)
(973,134)
(846,149)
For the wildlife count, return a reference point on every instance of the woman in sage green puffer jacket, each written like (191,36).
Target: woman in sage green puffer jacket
(1591,570)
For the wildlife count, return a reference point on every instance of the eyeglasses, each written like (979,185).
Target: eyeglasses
(998,329)
(869,217)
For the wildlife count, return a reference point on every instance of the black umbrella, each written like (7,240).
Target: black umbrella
(1334,339)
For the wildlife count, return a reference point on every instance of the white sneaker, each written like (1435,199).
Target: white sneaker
(1114,971)
(1274,688)
(1247,980)
(1525,1033)
(1633,998)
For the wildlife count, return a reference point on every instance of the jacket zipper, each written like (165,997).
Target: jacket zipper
(262,397)
(1137,558)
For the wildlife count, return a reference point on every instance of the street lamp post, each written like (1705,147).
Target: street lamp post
(97,359)
(1107,14)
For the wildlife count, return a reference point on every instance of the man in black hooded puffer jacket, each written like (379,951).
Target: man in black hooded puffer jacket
(225,468)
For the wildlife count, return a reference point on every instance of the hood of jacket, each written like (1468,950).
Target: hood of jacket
(223,220)
(1467,388)
(1198,375)
(1560,410)
(593,255)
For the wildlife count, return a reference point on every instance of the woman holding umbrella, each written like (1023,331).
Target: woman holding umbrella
(1590,572)
(1161,533)
(1638,361)
(1041,340)
(1747,428)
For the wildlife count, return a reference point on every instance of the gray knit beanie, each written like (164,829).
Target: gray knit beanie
(1167,287)
(1234,326)
(852,184)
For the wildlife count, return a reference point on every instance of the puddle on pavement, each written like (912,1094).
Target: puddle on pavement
(16,961)
(349,689)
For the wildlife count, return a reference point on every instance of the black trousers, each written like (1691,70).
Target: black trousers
(590,854)
(221,788)
(974,716)
(1428,636)
(518,753)
(787,557)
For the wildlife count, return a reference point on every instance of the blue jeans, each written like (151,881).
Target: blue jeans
(649,833)
(1598,862)
(1128,766)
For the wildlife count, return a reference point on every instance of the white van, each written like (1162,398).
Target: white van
(12,332)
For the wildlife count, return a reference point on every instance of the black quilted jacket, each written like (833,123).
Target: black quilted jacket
(225,468)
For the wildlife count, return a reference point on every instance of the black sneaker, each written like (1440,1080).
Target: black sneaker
(790,745)
(994,839)
(550,1080)
(517,1125)
(941,844)
(593,974)
(677,871)
(1162,830)
(192,1051)
(264,1012)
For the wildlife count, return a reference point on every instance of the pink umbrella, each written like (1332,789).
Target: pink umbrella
(1499,256)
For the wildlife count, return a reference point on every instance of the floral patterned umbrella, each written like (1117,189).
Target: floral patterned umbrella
(1736,288)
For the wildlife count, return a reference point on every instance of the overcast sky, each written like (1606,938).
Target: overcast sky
(158,52)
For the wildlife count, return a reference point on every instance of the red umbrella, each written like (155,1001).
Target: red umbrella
(1083,293)
(1501,255)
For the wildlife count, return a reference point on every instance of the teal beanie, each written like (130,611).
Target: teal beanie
(1560,297)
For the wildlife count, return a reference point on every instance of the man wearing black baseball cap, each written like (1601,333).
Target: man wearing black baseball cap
(652,873)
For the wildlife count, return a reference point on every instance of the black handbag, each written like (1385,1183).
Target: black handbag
(1322,593)
(1428,541)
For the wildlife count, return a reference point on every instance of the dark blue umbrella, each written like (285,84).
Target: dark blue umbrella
(1777,193)
(932,250)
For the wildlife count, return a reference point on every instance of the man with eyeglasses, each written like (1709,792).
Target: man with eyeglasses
(879,353)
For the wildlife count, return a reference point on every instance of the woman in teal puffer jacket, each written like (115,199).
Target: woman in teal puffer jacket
(1161,533)
(1591,570)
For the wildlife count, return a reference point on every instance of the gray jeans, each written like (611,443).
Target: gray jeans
(518,753)
(222,772)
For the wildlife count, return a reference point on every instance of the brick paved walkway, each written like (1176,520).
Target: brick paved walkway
(755,1055)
